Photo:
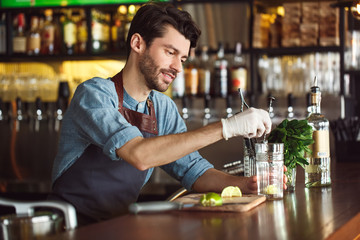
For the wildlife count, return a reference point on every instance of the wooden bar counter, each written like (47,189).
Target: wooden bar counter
(316,213)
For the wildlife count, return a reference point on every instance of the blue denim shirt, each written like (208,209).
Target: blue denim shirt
(93,118)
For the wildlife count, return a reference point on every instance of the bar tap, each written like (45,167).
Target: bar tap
(290,110)
(228,106)
(38,114)
(185,110)
(48,108)
(2,111)
(207,112)
(271,109)
(59,114)
(19,114)
(64,92)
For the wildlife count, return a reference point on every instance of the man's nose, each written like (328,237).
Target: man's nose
(177,65)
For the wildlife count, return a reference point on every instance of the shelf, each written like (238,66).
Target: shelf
(352,72)
(274,3)
(62,57)
(122,55)
(295,50)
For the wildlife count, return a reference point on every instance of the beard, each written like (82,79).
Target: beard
(151,72)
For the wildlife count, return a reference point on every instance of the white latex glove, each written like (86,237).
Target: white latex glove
(250,123)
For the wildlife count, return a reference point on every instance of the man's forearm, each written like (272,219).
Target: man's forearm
(144,153)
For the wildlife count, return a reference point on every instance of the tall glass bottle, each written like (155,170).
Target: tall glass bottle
(317,173)
(219,86)
(118,41)
(2,33)
(100,28)
(19,39)
(48,34)
(81,32)
(34,39)
(129,17)
(178,85)
(204,72)
(191,74)
(69,33)
(238,72)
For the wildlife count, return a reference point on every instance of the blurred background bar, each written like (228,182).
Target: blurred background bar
(266,48)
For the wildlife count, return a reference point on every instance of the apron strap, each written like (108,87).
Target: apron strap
(144,122)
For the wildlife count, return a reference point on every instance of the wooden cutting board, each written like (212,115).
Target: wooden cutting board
(234,204)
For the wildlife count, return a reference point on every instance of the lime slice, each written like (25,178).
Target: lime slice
(211,199)
(271,189)
(231,191)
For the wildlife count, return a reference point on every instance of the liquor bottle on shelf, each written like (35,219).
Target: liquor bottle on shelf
(129,17)
(33,37)
(204,72)
(48,34)
(96,31)
(19,39)
(191,74)
(178,85)
(100,31)
(219,86)
(81,32)
(2,33)
(317,173)
(69,33)
(118,41)
(238,72)
(106,32)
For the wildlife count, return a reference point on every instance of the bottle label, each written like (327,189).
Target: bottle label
(191,81)
(315,98)
(221,81)
(321,146)
(48,35)
(34,43)
(114,35)
(178,85)
(105,33)
(238,79)
(204,81)
(19,44)
(70,34)
(82,33)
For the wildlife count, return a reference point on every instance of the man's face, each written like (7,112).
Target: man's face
(162,60)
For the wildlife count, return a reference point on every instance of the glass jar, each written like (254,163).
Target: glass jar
(270,169)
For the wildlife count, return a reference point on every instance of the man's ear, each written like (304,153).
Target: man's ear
(137,43)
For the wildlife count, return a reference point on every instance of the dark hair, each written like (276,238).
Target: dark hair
(152,18)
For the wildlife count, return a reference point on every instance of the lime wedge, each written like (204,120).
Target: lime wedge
(231,191)
(211,199)
(271,189)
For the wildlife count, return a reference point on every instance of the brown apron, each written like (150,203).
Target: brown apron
(99,187)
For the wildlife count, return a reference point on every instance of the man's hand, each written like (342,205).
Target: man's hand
(250,123)
(214,180)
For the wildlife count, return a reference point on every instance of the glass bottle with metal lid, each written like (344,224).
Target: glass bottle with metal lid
(317,173)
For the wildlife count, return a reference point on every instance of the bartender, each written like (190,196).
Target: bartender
(117,130)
